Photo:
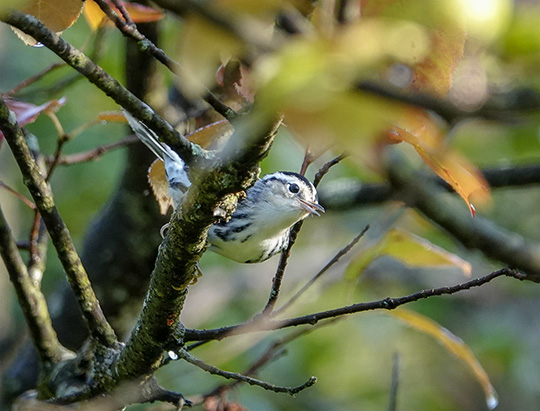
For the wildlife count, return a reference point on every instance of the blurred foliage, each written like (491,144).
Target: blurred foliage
(353,357)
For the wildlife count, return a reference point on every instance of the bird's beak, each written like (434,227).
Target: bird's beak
(311,208)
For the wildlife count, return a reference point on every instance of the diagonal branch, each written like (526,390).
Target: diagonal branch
(477,233)
(110,86)
(130,30)
(95,320)
(31,299)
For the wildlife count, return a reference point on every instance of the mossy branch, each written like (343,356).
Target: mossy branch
(106,83)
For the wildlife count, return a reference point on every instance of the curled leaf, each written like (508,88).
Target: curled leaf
(417,128)
(452,344)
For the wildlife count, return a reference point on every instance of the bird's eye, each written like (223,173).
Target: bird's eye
(293,188)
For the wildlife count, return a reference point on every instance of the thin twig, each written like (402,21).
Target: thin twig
(26,201)
(326,168)
(94,153)
(130,30)
(34,78)
(97,325)
(273,352)
(323,270)
(264,324)
(243,378)
(120,6)
(286,252)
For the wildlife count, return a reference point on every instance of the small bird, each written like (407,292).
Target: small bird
(259,228)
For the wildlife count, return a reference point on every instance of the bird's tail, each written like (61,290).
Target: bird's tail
(175,168)
(149,138)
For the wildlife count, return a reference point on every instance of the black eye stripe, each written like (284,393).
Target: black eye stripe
(279,177)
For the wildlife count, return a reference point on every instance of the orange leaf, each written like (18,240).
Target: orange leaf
(112,117)
(57,15)
(212,136)
(158,182)
(138,13)
(421,131)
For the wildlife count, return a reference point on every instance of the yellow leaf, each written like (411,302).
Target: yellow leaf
(93,15)
(451,343)
(57,15)
(419,252)
(409,249)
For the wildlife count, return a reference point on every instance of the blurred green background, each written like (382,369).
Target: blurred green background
(352,358)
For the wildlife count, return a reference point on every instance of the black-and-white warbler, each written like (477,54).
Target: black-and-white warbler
(259,228)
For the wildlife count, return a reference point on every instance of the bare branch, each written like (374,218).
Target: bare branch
(31,300)
(110,86)
(244,378)
(95,320)
(323,270)
(95,153)
(264,324)
(343,196)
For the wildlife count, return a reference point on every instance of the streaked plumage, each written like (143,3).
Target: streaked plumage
(259,228)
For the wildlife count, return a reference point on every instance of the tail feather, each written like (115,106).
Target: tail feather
(175,167)
(149,138)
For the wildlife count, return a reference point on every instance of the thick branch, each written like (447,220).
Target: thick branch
(479,233)
(95,74)
(185,242)
(97,324)
(30,298)
(343,196)
(452,113)
(263,324)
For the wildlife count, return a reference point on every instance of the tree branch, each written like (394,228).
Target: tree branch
(262,324)
(98,326)
(110,86)
(478,233)
(347,195)
(31,300)
(244,378)
(185,242)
